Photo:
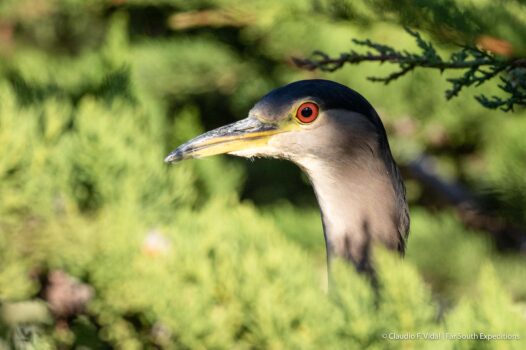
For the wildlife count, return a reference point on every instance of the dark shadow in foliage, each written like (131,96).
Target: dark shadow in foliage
(498,212)
(116,84)
(507,202)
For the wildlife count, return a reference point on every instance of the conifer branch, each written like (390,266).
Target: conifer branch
(480,66)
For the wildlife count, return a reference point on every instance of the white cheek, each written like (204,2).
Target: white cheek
(286,144)
(265,151)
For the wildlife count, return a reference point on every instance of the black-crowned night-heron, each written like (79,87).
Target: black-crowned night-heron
(338,139)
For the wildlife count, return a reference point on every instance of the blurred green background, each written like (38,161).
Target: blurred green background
(104,246)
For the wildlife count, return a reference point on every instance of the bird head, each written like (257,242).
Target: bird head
(338,139)
(305,121)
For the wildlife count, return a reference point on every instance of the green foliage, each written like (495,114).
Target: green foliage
(175,257)
(450,21)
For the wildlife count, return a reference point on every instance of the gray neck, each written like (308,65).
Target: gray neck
(360,204)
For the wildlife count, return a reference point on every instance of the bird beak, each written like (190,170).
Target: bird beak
(244,134)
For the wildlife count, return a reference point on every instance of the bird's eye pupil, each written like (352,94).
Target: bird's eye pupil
(306,112)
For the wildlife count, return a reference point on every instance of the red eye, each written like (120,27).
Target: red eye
(307,112)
